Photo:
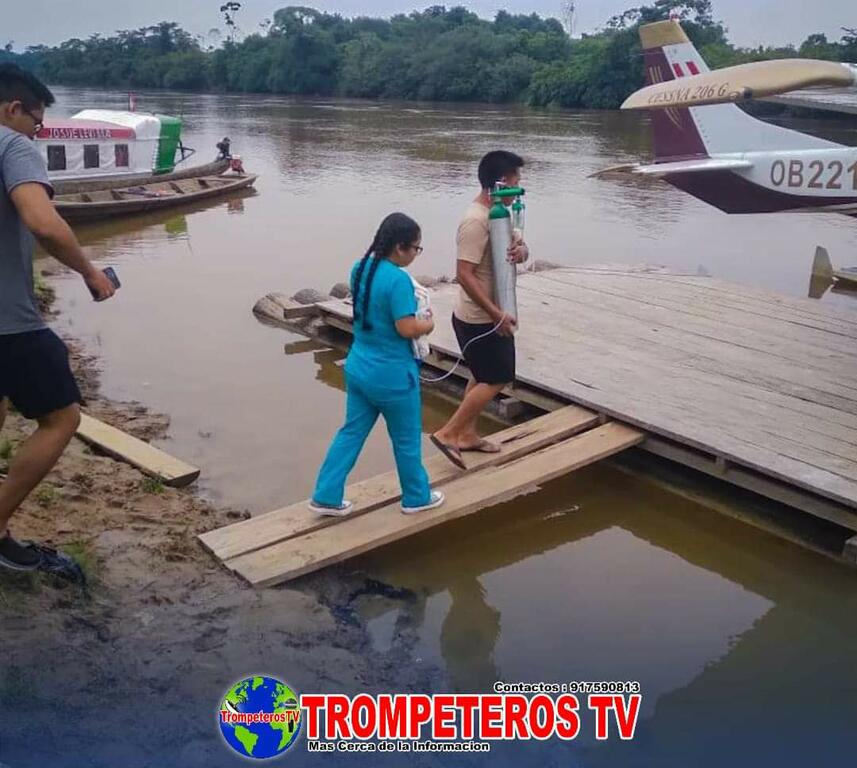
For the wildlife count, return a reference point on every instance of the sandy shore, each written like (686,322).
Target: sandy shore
(163,622)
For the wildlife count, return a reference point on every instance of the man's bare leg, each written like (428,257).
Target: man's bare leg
(35,458)
(460,430)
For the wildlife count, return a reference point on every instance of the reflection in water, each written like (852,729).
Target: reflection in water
(112,238)
(469,635)
(720,623)
(235,205)
(176,226)
(301,347)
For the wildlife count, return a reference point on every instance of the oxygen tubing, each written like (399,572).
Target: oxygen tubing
(461,356)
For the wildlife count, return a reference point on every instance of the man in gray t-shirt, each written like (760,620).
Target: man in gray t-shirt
(20,163)
(34,368)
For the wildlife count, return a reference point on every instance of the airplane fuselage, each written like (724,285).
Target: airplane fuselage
(806,181)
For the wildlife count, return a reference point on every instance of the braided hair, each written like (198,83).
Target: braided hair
(396,229)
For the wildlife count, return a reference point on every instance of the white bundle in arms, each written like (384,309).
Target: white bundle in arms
(423,296)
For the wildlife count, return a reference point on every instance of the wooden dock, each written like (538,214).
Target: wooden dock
(755,388)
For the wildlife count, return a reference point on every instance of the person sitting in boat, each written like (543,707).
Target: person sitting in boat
(34,367)
(224,147)
(381,372)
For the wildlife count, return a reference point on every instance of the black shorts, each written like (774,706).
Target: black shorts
(35,374)
(491,359)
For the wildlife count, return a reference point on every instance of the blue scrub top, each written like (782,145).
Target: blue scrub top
(381,356)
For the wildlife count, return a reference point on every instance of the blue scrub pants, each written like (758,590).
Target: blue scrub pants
(402,411)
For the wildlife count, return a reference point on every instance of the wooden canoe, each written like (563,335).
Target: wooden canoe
(106,203)
(111,182)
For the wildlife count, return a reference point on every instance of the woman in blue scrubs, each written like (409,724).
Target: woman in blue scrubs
(381,373)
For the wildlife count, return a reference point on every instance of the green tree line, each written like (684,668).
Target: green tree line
(437,54)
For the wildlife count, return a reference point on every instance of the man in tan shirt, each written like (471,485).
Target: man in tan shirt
(491,358)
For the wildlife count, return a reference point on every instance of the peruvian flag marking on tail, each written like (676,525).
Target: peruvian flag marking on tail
(691,67)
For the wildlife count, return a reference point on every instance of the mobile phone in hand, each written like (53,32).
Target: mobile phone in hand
(112,277)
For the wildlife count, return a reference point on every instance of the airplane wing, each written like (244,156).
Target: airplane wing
(842,100)
(657,170)
(731,85)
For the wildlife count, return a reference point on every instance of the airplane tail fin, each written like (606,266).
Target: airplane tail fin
(821,264)
(676,136)
(685,133)
(822,278)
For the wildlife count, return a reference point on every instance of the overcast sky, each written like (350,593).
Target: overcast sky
(750,22)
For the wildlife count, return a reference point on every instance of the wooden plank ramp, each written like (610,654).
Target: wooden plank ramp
(291,542)
(296,519)
(145,457)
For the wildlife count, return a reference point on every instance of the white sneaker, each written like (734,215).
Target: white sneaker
(346,508)
(437,498)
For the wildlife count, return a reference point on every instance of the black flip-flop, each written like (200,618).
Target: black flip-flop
(451,452)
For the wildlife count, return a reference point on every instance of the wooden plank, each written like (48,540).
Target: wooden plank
(292,310)
(124,447)
(681,398)
(688,329)
(713,292)
(510,408)
(771,489)
(695,415)
(296,519)
(731,385)
(465,495)
(736,311)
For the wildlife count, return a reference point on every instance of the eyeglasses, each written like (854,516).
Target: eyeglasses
(38,124)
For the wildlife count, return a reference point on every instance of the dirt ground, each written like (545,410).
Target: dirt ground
(130,673)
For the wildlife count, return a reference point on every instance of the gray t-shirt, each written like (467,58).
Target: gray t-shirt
(20,162)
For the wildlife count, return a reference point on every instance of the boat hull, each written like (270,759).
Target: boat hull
(71,186)
(103,204)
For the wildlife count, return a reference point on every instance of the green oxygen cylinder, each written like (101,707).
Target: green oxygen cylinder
(518,220)
(500,233)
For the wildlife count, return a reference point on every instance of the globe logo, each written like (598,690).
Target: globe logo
(260,717)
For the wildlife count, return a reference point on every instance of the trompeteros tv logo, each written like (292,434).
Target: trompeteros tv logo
(260,717)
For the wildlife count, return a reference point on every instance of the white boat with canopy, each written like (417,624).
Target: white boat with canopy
(99,148)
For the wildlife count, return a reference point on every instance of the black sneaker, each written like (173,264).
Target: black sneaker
(18,557)
(59,564)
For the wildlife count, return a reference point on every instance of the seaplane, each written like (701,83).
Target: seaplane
(707,146)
